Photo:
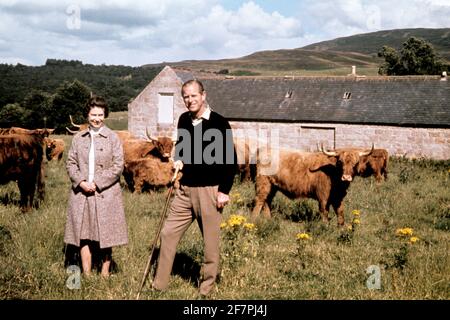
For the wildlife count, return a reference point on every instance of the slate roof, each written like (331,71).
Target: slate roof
(400,101)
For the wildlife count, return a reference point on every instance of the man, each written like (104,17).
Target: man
(205,153)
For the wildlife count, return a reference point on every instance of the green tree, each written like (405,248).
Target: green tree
(69,99)
(417,57)
(13,115)
(392,65)
(39,105)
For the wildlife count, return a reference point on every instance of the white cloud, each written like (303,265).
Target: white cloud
(346,17)
(139,32)
(253,21)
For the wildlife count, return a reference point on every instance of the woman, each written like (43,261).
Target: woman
(95,216)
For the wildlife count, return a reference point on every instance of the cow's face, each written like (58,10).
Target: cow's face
(348,161)
(50,145)
(164,145)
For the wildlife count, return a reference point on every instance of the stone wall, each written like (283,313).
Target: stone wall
(399,141)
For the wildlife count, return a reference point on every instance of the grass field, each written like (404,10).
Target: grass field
(269,260)
(117,120)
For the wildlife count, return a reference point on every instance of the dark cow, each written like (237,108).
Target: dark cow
(323,176)
(21,160)
(374,164)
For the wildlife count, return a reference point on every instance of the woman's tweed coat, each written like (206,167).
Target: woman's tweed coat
(112,226)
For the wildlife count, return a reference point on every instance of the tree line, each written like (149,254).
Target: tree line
(44,96)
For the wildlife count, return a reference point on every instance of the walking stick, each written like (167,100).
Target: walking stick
(158,231)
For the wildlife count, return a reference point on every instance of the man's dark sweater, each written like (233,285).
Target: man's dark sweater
(198,169)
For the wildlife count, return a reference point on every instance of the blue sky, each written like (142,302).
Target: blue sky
(133,32)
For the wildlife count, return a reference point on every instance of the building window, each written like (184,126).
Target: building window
(165,108)
(347,95)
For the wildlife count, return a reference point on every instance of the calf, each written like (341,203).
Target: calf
(54,148)
(148,172)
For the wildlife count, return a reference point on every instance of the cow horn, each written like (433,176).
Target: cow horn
(71,131)
(366,153)
(328,153)
(71,121)
(149,135)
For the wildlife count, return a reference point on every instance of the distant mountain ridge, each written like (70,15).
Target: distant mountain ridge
(370,43)
(333,57)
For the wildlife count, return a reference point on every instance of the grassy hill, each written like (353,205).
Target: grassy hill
(334,57)
(289,62)
(370,43)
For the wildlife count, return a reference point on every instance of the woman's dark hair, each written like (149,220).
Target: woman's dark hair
(96,101)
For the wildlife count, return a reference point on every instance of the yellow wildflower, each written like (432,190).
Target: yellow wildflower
(236,220)
(303,236)
(356,213)
(223,225)
(249,226)
(413,239)
(356,221)
(350,228)
(404,232)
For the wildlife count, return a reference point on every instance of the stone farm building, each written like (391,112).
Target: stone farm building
(409,116)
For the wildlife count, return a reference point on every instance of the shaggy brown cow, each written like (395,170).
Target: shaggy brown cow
(154,172)
(322,176)
(161,147)
(54,148)
(148,172)
(134,149)
(17,130)
(374,164)
(21,160)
